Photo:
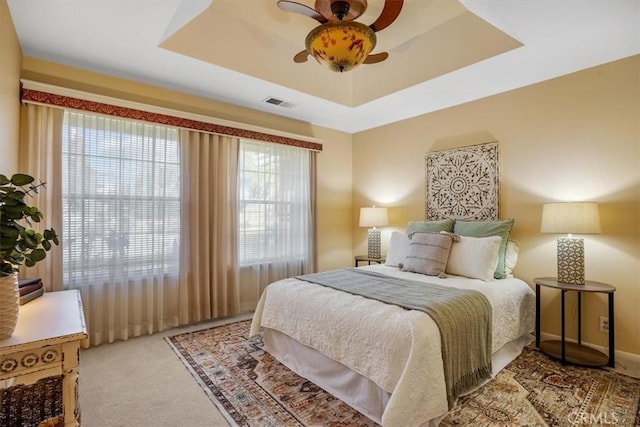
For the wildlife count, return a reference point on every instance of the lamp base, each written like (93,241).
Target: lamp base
(373,243)
(571,260)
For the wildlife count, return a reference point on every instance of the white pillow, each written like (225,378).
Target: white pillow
(398,247)
(510,261)
(474,257)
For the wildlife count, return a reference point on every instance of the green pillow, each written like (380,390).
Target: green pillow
(486,229)
(430,226)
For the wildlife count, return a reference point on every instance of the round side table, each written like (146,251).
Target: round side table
(569,352)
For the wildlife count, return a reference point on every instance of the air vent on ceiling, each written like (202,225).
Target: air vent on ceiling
(278,102)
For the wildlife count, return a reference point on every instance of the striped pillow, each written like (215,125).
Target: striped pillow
(428,253)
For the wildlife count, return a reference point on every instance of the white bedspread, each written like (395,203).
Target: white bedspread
(397,349)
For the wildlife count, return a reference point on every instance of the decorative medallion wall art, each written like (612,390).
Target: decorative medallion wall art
(463,183)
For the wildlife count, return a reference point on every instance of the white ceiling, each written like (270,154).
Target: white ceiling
(136,40)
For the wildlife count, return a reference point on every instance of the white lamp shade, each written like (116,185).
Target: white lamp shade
(374,217)
(570,218)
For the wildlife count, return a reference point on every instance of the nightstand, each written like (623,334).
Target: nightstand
(363,258)
(570,352)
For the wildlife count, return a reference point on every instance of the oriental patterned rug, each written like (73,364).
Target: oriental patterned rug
(251,388)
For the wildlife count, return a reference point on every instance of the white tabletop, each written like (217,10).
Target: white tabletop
(55,316)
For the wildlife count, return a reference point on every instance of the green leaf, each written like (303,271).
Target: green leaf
(7,244)
(46,245)
(5,267)
(18,195)
(29,240)
(4,180)
(29,262)
(36,217)
(20,179)
(16,259)
(10,201)
(38,255)
(12,212)
(50,235)
(9,232)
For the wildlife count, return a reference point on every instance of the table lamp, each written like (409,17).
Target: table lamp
(373,217)
(570,218)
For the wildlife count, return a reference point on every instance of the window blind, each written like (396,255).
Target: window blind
(274,203)
(121,199)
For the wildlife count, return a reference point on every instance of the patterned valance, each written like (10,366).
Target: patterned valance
(31,95)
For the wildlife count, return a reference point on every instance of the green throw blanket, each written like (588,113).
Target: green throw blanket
(463,316)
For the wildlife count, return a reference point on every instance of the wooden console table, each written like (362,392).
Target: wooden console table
(46,343)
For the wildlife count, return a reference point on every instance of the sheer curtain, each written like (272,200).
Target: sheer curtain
(208,260)
(121,223)
(159,226)
(40,157)
(276,215)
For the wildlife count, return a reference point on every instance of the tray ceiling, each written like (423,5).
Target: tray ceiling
(441,52)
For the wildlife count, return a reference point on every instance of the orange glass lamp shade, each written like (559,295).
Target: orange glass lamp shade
(342,45)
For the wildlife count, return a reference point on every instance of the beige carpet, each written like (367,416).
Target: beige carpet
(141,382)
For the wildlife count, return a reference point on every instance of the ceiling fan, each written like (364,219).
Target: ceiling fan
(340,43)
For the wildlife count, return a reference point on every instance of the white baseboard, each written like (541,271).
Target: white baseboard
(626,363)
(248,305)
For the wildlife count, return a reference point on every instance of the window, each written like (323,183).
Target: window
(274,203)
(121,199)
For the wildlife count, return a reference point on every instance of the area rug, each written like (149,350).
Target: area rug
(251,388)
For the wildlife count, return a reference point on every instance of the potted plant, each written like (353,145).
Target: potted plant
(19,245)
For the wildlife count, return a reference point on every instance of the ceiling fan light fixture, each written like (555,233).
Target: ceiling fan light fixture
(341,45)
(341,10)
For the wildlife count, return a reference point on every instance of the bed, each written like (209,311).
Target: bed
(382,359)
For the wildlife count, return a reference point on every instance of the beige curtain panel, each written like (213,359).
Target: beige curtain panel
(208,256)
(40,157)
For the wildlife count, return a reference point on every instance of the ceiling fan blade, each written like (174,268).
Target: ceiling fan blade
(375,58)
(389,14)
(341,10)
(301,57)
(292,6)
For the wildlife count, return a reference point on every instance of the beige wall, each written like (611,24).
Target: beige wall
(334,162)
(334,200)
(10,60)
(574,138)
(102,84)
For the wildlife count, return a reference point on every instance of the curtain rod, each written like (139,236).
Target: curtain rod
(43,93)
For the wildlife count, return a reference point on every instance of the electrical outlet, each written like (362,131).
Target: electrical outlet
(604,324)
